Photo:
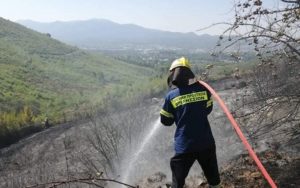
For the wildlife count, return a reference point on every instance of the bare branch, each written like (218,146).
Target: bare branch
(91,181)
(291,1)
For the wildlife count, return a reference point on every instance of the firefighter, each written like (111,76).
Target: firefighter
(187,104)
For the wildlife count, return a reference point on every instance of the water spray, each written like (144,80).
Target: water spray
(140,149)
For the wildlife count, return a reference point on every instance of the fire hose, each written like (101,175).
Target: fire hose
(241,135)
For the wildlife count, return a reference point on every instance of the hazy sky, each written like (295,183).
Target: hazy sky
(170,15)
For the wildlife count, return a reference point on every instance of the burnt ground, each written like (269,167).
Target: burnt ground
(61,151)
(242,172)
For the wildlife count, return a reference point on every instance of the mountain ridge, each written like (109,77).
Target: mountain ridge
(103,34)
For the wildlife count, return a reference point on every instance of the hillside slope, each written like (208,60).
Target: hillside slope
(44,157)
(56,80)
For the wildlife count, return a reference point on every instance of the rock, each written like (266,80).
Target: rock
(281,163)
(157,177)
(241,84)
(155,100)
(168,184)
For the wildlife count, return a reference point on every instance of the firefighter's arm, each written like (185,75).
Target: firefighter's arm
(166,118)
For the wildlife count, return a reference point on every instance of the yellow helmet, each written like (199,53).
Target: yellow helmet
(181,62)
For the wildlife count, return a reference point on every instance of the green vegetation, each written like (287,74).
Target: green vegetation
(41,77)
(218,70)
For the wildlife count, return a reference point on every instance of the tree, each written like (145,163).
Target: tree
(274,34)
(271,31)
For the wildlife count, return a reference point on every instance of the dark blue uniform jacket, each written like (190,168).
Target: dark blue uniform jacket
(188,107)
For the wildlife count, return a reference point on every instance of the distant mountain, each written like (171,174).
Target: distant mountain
(104,34)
